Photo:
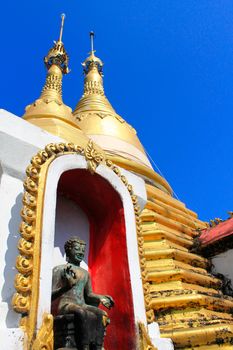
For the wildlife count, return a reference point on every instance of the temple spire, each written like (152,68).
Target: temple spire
(56,63)
(93,94)
(93,70)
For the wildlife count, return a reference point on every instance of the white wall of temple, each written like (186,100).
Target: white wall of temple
(10,205)
(19,142)
(223,264)
(119,147)
(70,221)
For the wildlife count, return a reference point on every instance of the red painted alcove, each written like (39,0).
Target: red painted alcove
(108,262)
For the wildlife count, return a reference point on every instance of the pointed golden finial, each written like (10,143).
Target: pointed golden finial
(93,70)
(56,62)
(92,35)
(93,94)
(57,54)
(92,61)
(63,16)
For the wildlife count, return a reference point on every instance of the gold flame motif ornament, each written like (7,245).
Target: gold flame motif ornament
(93,157)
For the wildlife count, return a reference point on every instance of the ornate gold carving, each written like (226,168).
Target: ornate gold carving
(25,301)
(93,157)
(145,341)
(93,87)
(26,231)
(53,82)
(22,283)
(24,265)
(20,302)
(25,247)
(81,116)
(44,338)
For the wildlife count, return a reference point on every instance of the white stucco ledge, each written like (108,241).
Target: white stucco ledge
(157,341)
(19,141)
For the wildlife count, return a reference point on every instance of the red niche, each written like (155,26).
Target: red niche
(108,260)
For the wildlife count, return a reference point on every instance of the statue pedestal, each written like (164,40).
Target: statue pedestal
(64,331)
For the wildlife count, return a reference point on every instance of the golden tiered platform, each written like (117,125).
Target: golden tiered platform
(188,303)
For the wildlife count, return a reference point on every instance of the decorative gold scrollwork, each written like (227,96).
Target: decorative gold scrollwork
(25,247)
(22,283)
(26,231)
(21,303)
(29,200)
(44,338)
(24,265)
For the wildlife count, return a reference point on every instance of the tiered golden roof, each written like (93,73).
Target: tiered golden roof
(48,111)
(187,299)
(94,113)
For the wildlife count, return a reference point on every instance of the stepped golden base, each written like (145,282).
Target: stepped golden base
(188,303)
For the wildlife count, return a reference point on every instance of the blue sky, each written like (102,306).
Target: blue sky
(168,72)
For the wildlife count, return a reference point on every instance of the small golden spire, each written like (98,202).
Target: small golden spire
(95,115)
(93,70)
(57,54)
(56,63)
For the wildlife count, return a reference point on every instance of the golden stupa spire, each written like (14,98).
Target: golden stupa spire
(96,117)
(50,101)
(56,62)
(93,94)
(93,70)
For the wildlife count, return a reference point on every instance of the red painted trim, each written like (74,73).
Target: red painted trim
(214,234)
(108,260)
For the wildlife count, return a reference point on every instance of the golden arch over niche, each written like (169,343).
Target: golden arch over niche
(25,300)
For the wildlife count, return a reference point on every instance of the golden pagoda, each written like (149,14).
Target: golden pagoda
(181,295)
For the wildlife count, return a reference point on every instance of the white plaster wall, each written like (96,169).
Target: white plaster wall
(10,204)
(117,146)
(19,142)
(70,221)
(223,263)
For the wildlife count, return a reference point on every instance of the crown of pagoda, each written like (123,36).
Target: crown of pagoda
(97,118)
(50,102)
(48,111)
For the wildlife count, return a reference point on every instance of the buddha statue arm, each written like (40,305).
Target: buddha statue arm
(96,299)
(60,284)
(90,296)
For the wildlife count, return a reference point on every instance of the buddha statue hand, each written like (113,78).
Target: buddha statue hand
(107,301)
(70,276)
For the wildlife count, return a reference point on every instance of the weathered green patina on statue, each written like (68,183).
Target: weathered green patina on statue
(77,304)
